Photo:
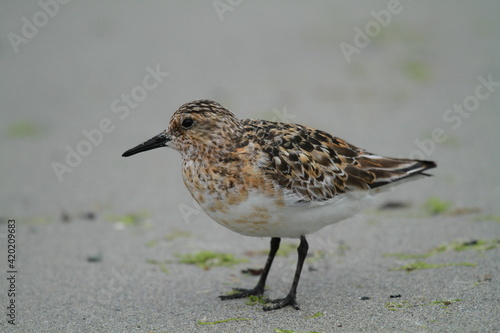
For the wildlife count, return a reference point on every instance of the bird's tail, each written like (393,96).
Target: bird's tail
(389,170)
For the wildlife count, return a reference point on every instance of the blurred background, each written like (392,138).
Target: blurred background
(66,67)
(81,82)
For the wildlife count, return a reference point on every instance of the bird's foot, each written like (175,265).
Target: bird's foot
(289,300)
(242,293)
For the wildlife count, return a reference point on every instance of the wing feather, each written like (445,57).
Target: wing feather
(315,166)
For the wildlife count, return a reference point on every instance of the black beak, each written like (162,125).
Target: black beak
(156,142)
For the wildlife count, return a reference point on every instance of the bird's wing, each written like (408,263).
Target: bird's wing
(313,166)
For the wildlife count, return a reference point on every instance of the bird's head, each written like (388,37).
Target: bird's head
(195,129)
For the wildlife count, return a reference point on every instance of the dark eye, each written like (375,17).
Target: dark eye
(187,123)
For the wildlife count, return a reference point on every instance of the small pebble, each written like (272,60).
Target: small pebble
(252,271)
(65,217)
(394,205)
(95,257)
(89,216)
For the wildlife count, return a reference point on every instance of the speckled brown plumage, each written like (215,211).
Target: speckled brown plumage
(263,178)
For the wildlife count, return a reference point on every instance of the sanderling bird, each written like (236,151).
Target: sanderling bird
(272,179)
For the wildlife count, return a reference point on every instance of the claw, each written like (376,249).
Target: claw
(281,303)
(242,293)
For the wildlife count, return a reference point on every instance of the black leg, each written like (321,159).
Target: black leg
(290,299)
(259,288)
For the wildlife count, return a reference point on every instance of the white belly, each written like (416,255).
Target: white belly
(260,216)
